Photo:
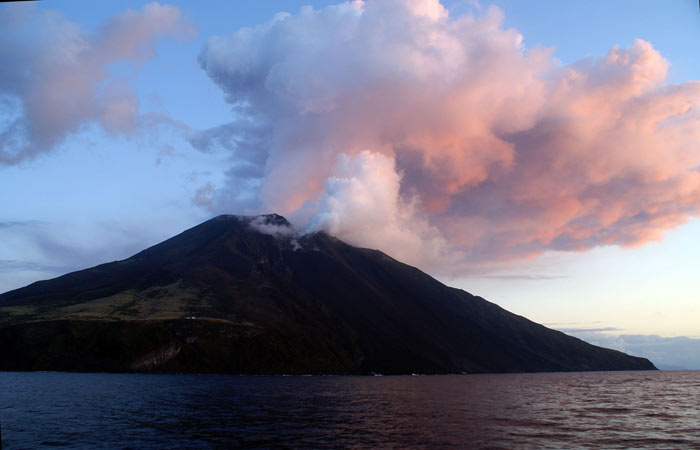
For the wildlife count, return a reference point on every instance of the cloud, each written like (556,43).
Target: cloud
(34,249)
(14,266)
(443,141)
(362,204)
(56,78)
(587,330)
(18,224)
(274,226)
(203,195)
(665,352)
(75,245)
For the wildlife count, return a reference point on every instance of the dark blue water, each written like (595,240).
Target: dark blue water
(642,410)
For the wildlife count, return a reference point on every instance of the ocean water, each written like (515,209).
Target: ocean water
(605,410)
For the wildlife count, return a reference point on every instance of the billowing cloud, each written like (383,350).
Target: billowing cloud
(55,77)
(445,142)
(362,204)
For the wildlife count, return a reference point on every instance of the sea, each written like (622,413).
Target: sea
(593,410)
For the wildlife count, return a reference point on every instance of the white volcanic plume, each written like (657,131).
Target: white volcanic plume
(443,141)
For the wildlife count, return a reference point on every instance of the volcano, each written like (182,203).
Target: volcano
(247,295)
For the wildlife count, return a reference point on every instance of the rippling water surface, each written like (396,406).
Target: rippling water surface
(607,410)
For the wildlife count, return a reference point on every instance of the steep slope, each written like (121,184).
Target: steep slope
(245,295)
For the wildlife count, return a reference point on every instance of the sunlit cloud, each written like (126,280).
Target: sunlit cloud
(444,140)
(56,78)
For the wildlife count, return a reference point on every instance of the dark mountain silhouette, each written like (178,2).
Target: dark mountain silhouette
(246,295)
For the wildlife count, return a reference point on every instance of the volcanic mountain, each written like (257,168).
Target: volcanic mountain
(247,295)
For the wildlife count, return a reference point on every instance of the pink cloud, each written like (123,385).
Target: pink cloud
(56,75)
(478,148)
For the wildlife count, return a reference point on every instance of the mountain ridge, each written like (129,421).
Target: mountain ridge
(244,294)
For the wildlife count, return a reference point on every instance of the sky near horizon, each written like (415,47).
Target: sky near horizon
(544,155)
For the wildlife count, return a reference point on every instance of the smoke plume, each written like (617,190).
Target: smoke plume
(444,141)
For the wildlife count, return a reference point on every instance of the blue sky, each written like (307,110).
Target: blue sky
(97,194)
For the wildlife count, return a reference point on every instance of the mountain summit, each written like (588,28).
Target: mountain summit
(248,295)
